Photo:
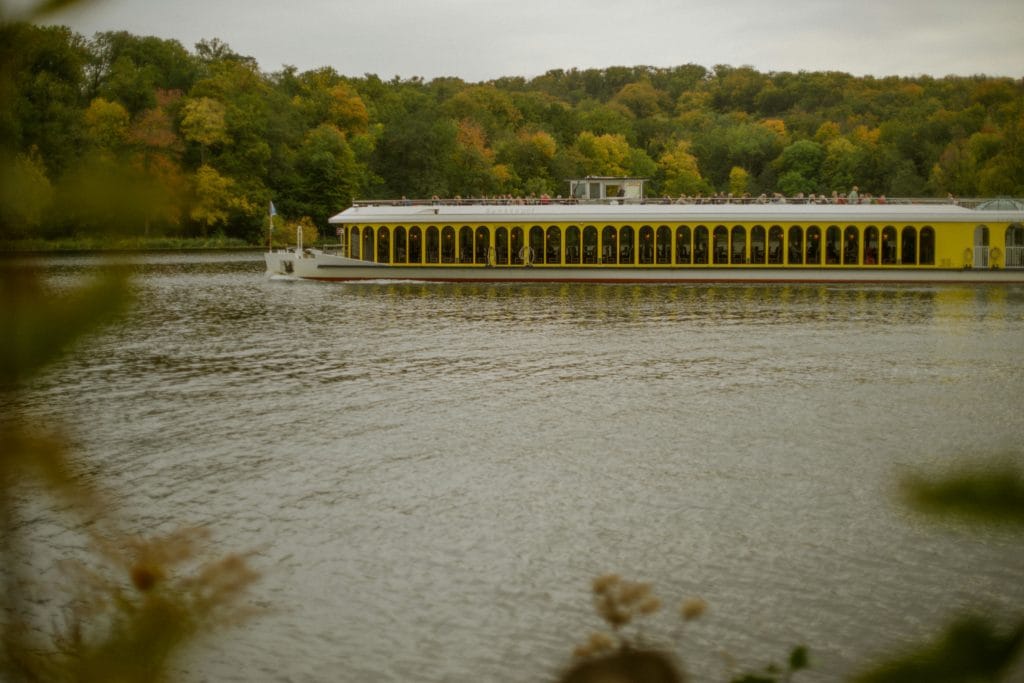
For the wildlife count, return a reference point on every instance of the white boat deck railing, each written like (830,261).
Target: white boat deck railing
(969,203)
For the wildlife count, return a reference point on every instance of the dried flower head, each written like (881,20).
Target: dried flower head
(693,608)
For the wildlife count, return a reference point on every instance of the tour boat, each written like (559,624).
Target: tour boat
(627,238)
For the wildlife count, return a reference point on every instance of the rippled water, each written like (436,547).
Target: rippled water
(432,474)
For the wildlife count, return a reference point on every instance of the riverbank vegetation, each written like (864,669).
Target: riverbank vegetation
(125,135)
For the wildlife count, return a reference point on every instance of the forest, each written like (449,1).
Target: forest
(126,134)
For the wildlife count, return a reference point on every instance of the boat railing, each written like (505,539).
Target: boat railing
(969,203)
(1014,257)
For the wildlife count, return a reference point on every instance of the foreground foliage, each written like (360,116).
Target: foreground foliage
(131,603)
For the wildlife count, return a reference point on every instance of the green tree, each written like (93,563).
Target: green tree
(203,121)
(328,173)
(679,171)
(107,124)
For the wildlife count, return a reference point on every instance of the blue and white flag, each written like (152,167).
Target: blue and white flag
(273,211)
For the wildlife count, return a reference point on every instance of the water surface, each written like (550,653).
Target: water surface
(431,474)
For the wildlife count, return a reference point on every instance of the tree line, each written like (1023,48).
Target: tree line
(136,134)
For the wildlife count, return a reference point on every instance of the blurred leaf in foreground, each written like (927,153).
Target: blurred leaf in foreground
(40,325)
(992,496)
(971,649)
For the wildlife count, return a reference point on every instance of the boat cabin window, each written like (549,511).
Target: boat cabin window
(870,245)
(626,235)
(483,246)
(401,250)
(851,245)
(927,251)
(683,244)
(354,243)
(536,244)
(553,245)
(501,246)
(368,243)
(888,256)
(757,244)
(738,248)
(663,249)
(700,244)
(516,250)
(908,246)
(448,244)
(433,245)
(572,245)
(608,244)
(775,244)
(590,249)
(796,245)
(415,245)
(833,242)
(813,245)
(645,245)
(383,245)
(721,251)
(465,244)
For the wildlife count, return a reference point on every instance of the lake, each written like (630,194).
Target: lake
(430,475)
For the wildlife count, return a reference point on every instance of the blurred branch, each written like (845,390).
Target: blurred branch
(41,9)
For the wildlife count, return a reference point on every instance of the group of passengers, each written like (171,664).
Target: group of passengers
(853,197)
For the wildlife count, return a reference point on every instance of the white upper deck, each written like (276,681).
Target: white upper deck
(465,213)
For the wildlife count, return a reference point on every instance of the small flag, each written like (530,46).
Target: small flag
(273,211)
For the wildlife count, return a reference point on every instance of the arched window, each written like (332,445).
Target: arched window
(775,244)
(401,248)
(590,251)
(870,245)
(721,250)
(368,243)
(518,242)
(536,244)
(851,245)
(626,234)
(501,246)
(888,245)
(738,246)
(908,246)
(927,246)
(483,245)
(433,245)
(796,245)
(353,243)
(415,245)
(447,244)
(813,245)
(646,244)
(572,245)
(683,244)
(833,245)
(700,244)
(757,244)
(383,245)
(553,245)
(465,244)
(663,248)
(608,244)
(1014,246)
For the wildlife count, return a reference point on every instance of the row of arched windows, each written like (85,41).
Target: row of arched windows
(648,245)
